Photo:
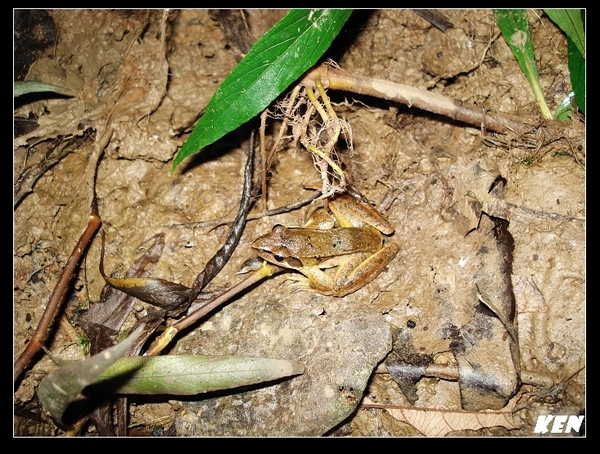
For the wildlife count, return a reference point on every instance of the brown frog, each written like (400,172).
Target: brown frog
(355,246)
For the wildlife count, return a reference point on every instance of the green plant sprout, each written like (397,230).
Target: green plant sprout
(515,29)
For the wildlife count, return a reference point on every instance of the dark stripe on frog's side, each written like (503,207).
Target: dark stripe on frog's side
(310,243)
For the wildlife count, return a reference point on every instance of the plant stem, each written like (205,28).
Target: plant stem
(539,95)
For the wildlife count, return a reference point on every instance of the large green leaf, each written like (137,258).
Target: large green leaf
(174,375)
(192,374)
(275,61)
(570,22)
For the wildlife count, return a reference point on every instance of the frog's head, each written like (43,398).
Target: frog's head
(270,247)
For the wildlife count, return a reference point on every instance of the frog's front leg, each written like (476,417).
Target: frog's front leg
(354,273)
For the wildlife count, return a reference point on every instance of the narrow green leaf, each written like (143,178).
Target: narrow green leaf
(577,71)
(515,29)
(565,109)
(64,385)
(192,374)
(275,61)
(570,22)
(32,86)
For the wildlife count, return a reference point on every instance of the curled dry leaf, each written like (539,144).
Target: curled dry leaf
(159,292)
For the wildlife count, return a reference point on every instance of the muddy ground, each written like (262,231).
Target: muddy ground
(139,77)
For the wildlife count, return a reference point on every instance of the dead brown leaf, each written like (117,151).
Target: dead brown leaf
(527,295)
(438,423)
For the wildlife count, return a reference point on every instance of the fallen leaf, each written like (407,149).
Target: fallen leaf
(527,295)
(437,423)
(192,374)
(63,386)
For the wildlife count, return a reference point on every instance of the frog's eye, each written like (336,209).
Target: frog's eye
(279,253)
(279,231)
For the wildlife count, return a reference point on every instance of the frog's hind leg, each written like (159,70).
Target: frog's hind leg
(319,280)
(361,269)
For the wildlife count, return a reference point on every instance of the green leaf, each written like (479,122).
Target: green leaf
(32,86)
(275,61)
(192,374)
(515,29)
(565,109)
(64,385)
(570,22)
(577,71)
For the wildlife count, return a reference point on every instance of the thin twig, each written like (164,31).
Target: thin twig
(29,177)
(169,333)
(214,223)
(218,261)
(58,295)
(434,81)
(60,290)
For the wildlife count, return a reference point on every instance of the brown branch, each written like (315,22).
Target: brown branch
(338,79)
(58,295)
(60,290)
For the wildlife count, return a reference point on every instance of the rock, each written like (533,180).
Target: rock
(339,345)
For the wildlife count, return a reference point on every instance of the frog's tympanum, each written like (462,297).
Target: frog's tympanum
(355,246)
